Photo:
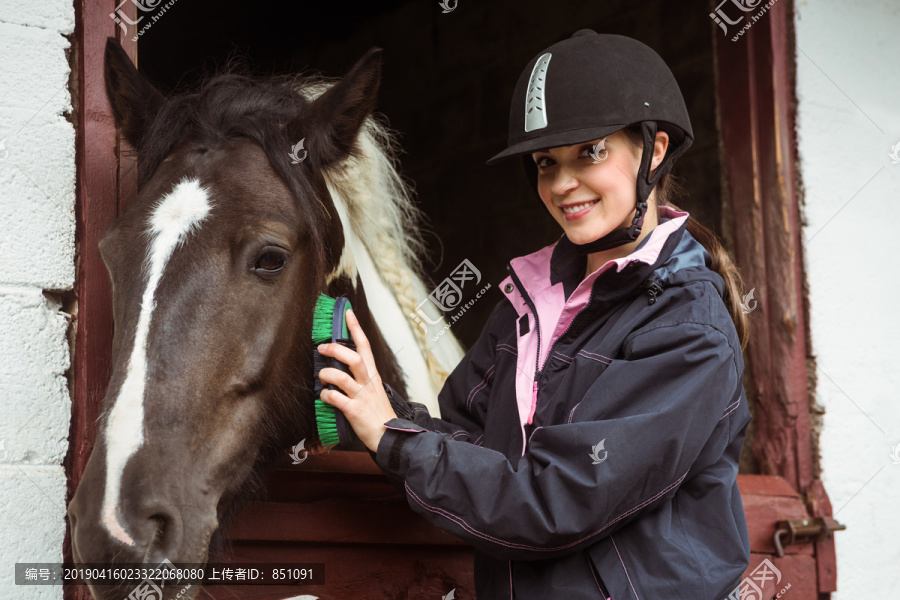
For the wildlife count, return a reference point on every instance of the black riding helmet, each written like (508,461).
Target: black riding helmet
(587,87)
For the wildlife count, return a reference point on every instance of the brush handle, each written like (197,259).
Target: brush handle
(339,328)
(348,438)
(340,334)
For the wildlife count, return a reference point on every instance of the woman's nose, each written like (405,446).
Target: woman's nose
(564,182)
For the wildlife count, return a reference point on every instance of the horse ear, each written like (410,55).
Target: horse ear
(133,99)
(331,123)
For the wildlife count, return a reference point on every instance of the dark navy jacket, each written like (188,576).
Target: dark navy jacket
(589,440)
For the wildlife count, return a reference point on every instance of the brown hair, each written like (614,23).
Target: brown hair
(668,189)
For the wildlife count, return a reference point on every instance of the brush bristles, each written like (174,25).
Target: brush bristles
(323,314)
(326,423)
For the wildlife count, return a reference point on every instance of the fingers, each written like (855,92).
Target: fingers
(336,399)
(361,362)
(348,385)
(348,357)
(372,407)
(362,342)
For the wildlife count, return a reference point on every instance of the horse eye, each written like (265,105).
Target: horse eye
(270,262)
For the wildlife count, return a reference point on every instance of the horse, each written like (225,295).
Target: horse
(255,196)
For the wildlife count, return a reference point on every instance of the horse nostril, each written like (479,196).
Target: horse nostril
(167,531)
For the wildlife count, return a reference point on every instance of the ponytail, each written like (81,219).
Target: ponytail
(670,189)
(721,259)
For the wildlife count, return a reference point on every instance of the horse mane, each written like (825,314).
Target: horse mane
(383,214)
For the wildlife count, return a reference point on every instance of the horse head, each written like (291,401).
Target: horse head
(215,266)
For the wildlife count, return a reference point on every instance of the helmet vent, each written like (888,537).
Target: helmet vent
(535,104)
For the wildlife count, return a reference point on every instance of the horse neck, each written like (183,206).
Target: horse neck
(376,214)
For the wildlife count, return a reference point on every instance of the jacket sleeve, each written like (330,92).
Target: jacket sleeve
(654,411)
(463,398)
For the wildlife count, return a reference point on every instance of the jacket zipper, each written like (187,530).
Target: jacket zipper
(538,372)
(537,327)
(572,322)
(600,583)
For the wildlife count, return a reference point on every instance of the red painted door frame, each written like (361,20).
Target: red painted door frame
(755,88)
(104,175)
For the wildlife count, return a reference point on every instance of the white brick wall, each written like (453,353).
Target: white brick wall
(37,253)
(848,86)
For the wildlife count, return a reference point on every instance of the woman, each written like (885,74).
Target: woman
(590,438)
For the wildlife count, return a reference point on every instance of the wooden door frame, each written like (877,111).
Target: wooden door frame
(756,97)
(105,174)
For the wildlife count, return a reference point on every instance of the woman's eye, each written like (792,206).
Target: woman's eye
(543,162)
(596,152)
(271,261)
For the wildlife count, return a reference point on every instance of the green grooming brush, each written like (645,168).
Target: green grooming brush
(330,325)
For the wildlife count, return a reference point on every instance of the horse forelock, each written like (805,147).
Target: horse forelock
(234,104)
(229,106)
(375,205)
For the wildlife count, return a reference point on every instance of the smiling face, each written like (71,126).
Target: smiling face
(589,188)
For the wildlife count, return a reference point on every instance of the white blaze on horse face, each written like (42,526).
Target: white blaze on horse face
(176,216)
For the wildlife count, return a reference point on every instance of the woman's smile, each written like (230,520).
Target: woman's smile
(574,211)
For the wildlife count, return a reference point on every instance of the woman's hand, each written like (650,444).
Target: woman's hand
(363,401)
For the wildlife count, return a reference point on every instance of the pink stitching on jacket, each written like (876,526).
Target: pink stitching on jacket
(507,348)
(479,387)
(624,567)
(601,361)
(459,521)
(406,429)
(572,412)
(730,408)
(566,359)
(586,353)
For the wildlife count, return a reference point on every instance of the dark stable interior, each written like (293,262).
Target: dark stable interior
(447,81)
